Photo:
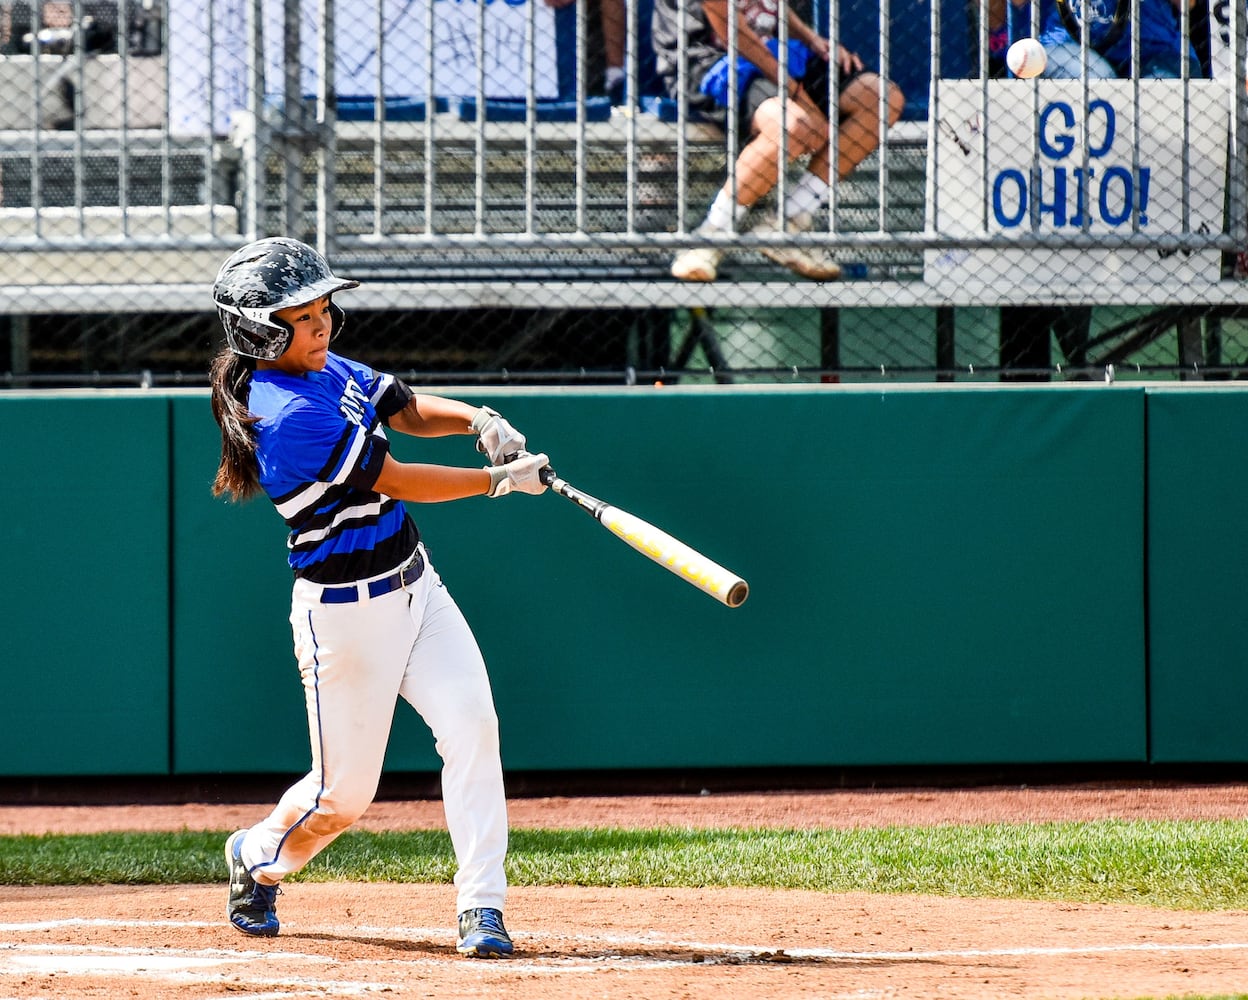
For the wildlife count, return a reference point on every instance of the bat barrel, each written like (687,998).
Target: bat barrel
(737,594)
(676,557)
(673,555)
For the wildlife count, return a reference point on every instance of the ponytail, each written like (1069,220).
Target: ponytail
(238,473)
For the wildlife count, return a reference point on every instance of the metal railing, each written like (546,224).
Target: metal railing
(463,163)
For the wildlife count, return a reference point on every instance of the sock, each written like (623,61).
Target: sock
(615,74)
(804,199)
(723,213)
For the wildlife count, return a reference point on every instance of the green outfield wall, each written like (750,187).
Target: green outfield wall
(939,576)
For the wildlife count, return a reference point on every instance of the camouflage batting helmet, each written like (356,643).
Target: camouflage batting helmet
(263,277)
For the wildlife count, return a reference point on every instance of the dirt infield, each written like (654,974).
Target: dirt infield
(397,940)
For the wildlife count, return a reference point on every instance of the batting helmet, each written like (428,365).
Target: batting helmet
(263,277)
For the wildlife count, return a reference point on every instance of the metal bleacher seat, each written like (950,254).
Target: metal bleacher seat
(396,109)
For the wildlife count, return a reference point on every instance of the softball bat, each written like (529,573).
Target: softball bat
(653,543)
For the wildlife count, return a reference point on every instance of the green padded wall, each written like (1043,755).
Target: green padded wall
(1198,574)
(84,521)
(938,577)
(932,576)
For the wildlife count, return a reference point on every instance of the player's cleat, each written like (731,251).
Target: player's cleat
(252,906)
(810,262)
(482,934)
(698,263)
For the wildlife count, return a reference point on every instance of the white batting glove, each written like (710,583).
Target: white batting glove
(521,475)
(495,436)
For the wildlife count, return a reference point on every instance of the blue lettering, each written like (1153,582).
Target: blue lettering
(1123,176)
(1061,144)
(1111,127)
(1110,195)
(1081,194)
(1055,138)
(1057,204)
(1019,203)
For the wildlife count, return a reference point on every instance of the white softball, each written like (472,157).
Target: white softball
(1026,58)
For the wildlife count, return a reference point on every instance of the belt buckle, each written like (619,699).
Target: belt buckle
(412,571)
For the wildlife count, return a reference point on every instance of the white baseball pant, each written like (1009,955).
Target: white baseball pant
(356,660)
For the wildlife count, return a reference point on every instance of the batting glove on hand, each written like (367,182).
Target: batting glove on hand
(522,475)
(495,437)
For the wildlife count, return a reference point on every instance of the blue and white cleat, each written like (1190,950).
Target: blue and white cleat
(482,934)
(252,907)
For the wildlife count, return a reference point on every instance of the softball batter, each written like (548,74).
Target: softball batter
(372,621)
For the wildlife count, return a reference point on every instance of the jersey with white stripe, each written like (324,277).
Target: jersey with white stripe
(320,445)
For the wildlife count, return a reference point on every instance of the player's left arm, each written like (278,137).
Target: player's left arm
(433,416)
(437,416)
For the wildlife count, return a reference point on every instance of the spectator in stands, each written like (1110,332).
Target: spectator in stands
(613,22)
(705,29)
(1025,333)
(614,18)
(1109,52)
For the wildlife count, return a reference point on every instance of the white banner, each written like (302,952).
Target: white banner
(406,44)
(1017,167)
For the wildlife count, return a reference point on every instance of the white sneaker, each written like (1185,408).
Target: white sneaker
(810,262)
(699,263)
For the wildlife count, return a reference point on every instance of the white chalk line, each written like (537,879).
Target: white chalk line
(647,940)
(178,965)
(170,964)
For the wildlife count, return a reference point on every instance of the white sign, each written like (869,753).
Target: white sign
(1024,164)
(399,28)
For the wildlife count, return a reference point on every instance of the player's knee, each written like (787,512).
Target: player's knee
(767,120)
(334,813)
(861,95)
(473,735)
(896,103)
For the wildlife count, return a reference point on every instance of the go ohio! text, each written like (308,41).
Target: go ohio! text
(1062,191)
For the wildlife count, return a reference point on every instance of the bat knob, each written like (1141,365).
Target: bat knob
(546,474)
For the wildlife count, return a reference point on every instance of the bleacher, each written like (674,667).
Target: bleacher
(627,162)
(460,204)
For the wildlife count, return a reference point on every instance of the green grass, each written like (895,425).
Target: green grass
(1184,865)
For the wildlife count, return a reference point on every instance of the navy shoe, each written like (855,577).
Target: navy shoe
(482,934)
(252,907)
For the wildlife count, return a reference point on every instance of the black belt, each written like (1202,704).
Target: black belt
(409,574)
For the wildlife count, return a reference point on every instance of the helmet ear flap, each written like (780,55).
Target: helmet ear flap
(251,339)
(338,319)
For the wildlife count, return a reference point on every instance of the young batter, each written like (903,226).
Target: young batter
(372,621)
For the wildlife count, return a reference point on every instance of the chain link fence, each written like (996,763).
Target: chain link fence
(512,181)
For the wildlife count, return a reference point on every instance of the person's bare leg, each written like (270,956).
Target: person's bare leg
(859,133)
(614,32)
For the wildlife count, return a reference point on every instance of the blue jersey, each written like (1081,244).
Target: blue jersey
(1159,34)
(320,446)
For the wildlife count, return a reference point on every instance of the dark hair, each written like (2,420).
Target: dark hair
(238,474)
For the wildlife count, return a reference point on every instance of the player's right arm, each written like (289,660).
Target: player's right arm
(420,483)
